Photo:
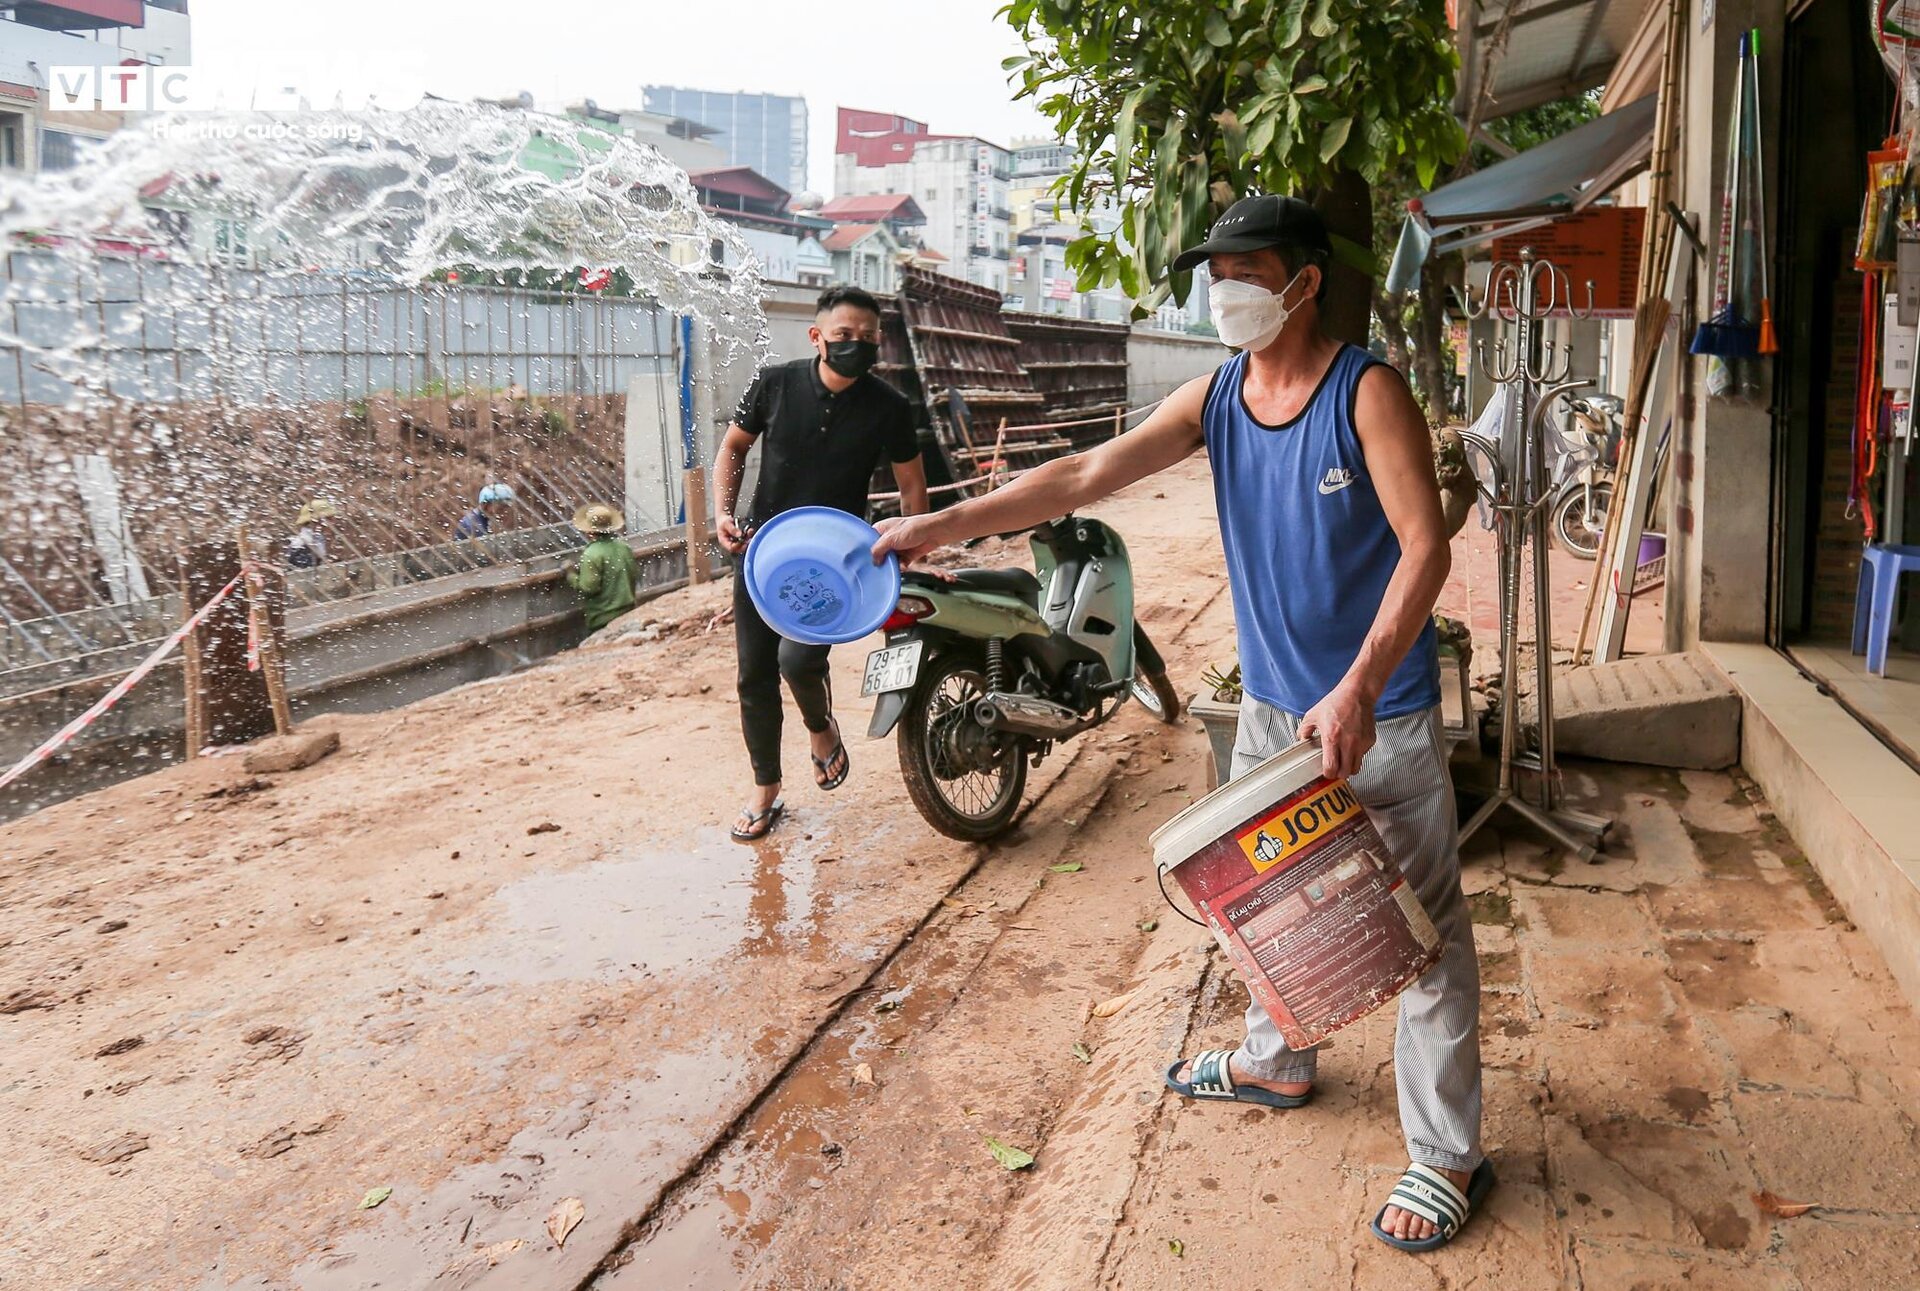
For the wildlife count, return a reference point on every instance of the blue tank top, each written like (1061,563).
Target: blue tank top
(1309,550)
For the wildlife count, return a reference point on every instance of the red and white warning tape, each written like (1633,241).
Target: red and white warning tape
(113,696)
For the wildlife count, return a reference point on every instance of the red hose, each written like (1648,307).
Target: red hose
(1866,408)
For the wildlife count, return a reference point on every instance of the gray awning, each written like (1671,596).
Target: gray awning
(1551,49)
(1560,176)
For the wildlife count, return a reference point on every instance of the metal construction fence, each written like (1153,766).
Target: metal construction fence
(146,405)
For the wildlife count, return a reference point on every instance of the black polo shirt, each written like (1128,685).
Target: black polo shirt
(818,448)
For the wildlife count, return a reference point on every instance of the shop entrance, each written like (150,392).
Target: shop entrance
(1837,107)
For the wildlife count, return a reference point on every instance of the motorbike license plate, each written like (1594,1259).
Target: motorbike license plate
(894,668)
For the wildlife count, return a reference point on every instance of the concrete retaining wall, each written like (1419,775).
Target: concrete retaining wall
(1159,362)
(365,655)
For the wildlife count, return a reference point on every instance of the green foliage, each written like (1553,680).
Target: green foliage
(1413,324)
(1533,127)
(1224,684)
(1178,108)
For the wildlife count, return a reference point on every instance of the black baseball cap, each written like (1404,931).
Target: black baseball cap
(1254,223)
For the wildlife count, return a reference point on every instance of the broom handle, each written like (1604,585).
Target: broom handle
(1759,162)
(1723,254)
(1746,267)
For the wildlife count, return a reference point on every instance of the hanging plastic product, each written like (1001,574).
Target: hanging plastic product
(1728,333)
(1769,340)
(1879,245)
(1896,34)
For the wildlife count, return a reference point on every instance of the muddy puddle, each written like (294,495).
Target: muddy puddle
(713,962)
(675,912)
(711,1236)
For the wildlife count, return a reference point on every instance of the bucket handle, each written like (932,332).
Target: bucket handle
(1160,878)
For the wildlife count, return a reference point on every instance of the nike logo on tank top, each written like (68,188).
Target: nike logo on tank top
(1309,550)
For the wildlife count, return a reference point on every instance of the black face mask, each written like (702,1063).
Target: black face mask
(852,358)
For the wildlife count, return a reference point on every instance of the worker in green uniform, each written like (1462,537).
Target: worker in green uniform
(604,573)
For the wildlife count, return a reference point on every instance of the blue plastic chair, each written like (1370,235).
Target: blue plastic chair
(1881,565)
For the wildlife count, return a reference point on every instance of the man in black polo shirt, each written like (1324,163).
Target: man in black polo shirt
(823,424)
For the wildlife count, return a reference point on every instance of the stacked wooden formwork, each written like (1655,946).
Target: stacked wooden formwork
(1000,387)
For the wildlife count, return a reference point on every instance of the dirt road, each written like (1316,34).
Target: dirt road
(232,1006)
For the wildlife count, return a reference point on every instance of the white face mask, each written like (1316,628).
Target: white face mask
(1248,317)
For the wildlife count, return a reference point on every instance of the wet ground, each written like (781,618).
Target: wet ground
(232,1008)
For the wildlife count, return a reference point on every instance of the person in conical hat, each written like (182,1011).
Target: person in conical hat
(313,526)
(604,574)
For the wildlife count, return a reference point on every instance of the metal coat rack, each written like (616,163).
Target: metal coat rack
(1535,373)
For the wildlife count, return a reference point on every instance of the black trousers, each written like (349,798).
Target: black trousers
(766,657)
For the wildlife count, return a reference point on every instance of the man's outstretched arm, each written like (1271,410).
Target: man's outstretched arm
(1168,435)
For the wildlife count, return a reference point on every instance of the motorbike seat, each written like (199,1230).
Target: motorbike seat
(1018,583)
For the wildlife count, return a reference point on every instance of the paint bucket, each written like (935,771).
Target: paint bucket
(810,573)
(1297,886)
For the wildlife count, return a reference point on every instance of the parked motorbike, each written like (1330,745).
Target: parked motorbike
(985,670)
(1583,480)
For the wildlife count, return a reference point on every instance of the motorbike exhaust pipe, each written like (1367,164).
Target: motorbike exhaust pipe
(1028,715)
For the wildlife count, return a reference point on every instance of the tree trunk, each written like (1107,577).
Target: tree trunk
(1429,352)
(1347,206)
(1391,313)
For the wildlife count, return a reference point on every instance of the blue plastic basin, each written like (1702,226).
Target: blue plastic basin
(810,573)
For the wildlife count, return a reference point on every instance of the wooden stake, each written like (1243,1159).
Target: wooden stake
(190,669)
(697,525)
(998,466)
(260,620)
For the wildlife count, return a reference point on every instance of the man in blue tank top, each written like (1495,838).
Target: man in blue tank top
(1336,552)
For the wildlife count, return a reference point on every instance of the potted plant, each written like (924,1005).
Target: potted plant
(1220,716)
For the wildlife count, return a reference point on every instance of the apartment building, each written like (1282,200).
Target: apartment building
(960,182)
(1037,163)
(764,132)
(36,38)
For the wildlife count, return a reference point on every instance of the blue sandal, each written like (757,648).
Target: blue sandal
(1212,1081)
(1425,1192)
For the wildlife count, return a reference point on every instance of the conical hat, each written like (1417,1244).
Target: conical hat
(596,517)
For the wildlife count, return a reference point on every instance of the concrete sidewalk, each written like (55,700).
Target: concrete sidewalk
(1665,1035)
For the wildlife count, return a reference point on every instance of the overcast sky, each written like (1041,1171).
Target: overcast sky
(936,60)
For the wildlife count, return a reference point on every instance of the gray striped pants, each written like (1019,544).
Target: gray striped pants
(1407,790)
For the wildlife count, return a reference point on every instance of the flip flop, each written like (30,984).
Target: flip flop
(1425,1192)
(839,755)
(759,823)
(1212,1081)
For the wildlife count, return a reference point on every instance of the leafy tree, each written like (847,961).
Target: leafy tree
(1414,325)
(1178,108)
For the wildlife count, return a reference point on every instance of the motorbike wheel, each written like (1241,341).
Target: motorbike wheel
(964,780)
(1150,685)
(1578,518)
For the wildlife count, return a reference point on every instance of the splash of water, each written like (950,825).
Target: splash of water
(210,302)
(409,197)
